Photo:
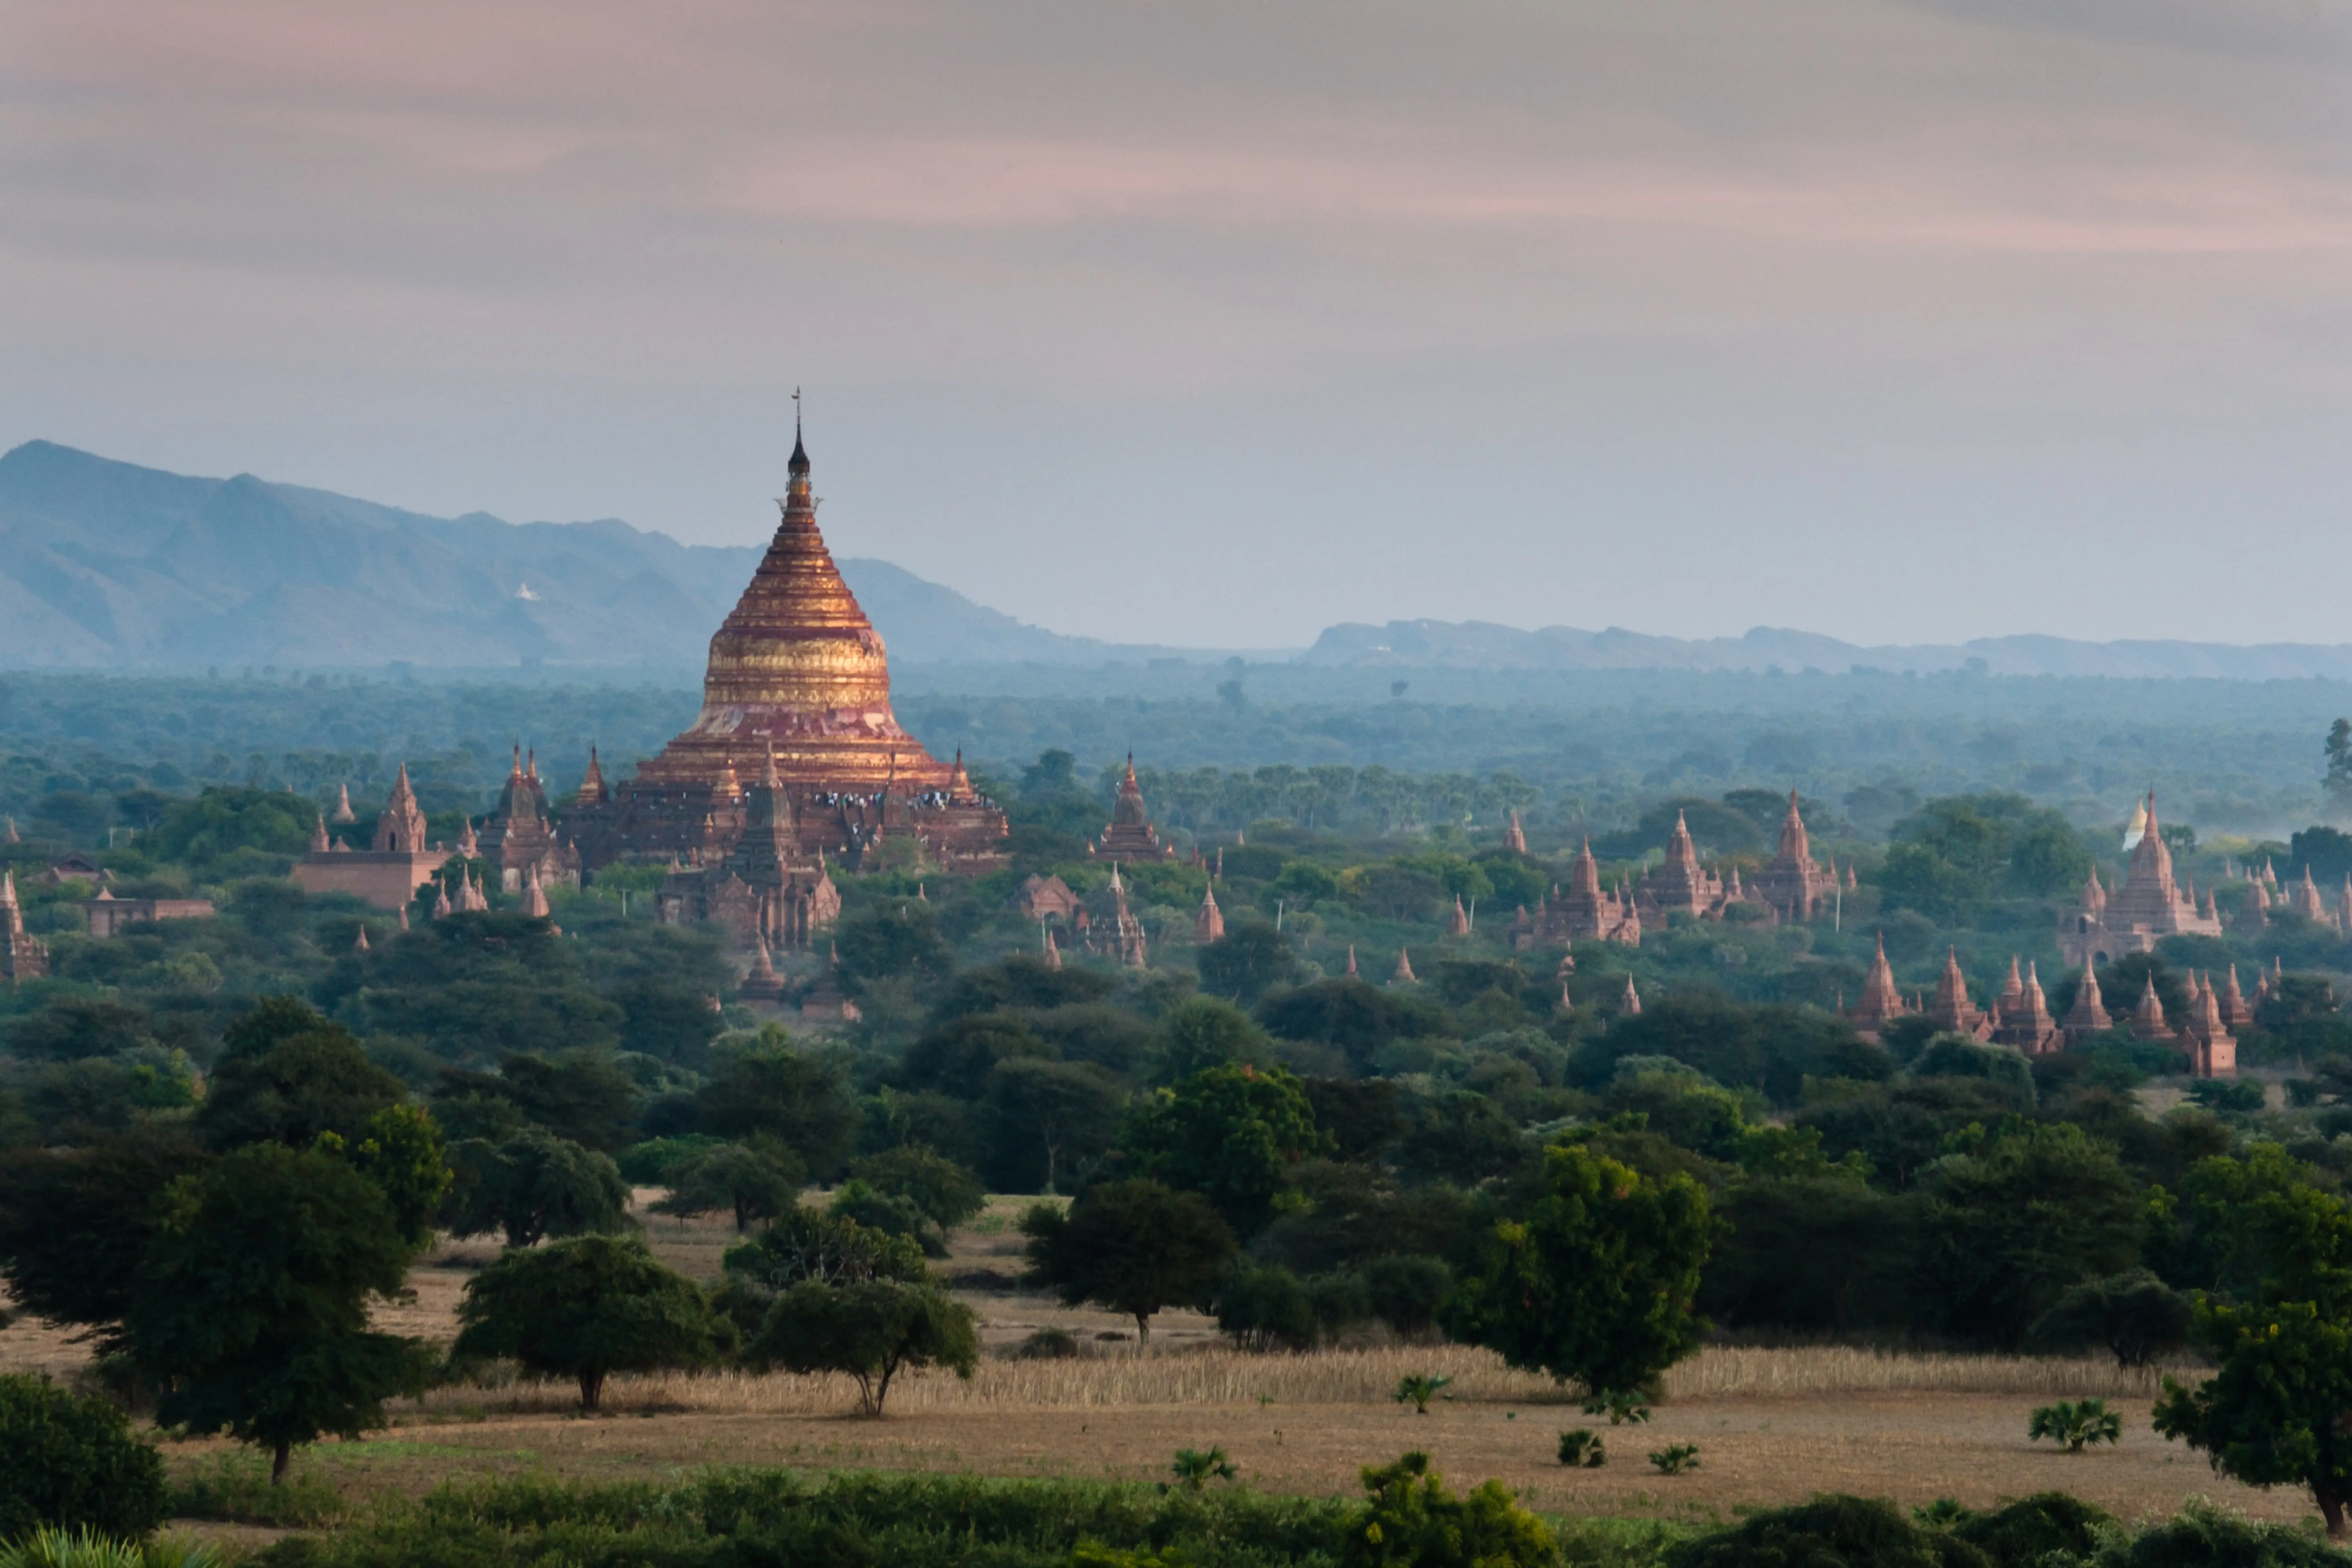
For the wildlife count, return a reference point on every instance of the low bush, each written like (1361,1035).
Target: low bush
(236,1489)
(2029,1529)
(1583,1449)
(859,1520)
(1828,1530)
(1675,1459)
(68,1462)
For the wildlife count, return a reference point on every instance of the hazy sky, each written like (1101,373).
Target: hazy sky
(1219,322)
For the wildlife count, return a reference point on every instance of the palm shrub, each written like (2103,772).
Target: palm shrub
(1418,1389)
(1196,1467)
(71,1462)
(1583,1449)
(2078,1424)
(87,1548)
(1675,1459)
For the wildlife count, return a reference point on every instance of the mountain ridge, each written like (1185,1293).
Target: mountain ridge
(106,564)
(109,565)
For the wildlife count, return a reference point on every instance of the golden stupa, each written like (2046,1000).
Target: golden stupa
(796,756)
(798,671)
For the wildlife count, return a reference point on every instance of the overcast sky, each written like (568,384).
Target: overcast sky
(1219,322)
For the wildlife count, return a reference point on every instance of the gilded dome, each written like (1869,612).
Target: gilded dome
(798,668)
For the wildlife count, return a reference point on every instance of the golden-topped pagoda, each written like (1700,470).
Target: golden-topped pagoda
(797,690)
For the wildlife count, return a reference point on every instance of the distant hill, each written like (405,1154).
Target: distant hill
(104,565)
(1479,645)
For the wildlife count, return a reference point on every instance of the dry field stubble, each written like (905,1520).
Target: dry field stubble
(1771,1425)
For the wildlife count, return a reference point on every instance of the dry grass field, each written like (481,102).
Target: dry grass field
(1771,1425)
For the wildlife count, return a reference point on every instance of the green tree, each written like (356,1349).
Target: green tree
(77,1224)
(584,1096)
(1247,961)
(1234,1134)
(534,1185)
(1134,1246)
(757,1180)
(1266,1308)
(72,1464)
(947,1193)
(2135,1316)
(251,1310)
(1204,1032)
(769,1088)
(2273,1412)
(809,1243)
(288,1075)
(898,939)
(399,1150)
(587,1308)
(2011,1227)
(1596,1282)
(872,1330)
(1048,1120)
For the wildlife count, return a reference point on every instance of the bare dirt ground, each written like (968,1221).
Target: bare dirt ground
(1771,1427)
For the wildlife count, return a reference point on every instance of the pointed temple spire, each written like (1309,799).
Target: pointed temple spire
(361,944)
(1403,976)
(592,788)
(2090,1014)
(1053,951)
(1209,925)
(318,835)
(1630,1003)
(2147,1021)
(1881,1002)
(1351,959)
(344,804)
(1515,838)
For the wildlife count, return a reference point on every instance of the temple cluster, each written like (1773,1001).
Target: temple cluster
(1793,886)
(797,697)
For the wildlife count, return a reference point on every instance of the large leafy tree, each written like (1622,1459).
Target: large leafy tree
(287,1075)
(1596,1282)
(583,1096)
(871,1330)
(1048,1118)
(2011,1227)
(586,1307)
(946,1193)
(251,1309)
(1134,1247)
(755,1180)
(768,1087)
(1235,1135)
(2278,1410)
(532,1185)
(76,1224)
(1247,961)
